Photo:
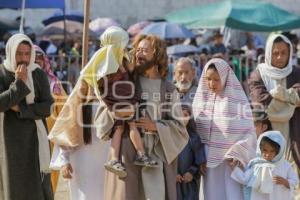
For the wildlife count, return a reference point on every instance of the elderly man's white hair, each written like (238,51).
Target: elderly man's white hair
(185,60)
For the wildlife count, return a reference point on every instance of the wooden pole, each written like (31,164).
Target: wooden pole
(21,28)
(85,34)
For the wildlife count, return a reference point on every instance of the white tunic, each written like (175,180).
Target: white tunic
(217,184)
(283,169)
(87,161)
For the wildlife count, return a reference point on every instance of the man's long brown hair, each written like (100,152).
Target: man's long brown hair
(160,52)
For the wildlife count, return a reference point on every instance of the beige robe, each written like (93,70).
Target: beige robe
(171,137)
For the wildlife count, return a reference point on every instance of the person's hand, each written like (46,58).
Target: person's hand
(21,72)
(280,93)
(187,177)
(146,124)
(67,171)
(203,169)
(15,108)
(281,181)
(234,162)
(179,178)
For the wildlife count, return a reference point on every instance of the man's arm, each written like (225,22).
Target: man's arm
(42,107)
(12,96)
(258,91)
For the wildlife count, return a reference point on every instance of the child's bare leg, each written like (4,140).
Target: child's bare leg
(116,142)
(136,139)
(115,165)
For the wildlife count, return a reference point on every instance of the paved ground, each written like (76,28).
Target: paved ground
(62,192)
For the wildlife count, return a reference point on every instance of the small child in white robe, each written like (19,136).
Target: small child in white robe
(268,176)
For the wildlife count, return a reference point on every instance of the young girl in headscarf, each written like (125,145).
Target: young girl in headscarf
(224,120)
(189,161)
(268,176)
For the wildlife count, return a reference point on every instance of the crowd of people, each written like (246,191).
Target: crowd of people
(125,132)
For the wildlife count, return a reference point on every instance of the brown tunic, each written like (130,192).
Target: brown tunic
(259,94)
(119,89)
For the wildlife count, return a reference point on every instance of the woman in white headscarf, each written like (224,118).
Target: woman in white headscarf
(275,87)
(224,121)
(25,102)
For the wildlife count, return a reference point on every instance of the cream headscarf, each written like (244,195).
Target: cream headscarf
(11,65)
(108,58)
(269,73)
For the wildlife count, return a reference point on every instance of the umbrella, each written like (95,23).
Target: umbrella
(8,24)
(56,30)
(167,30)
(99,25)
(181,49)
(135,29)
(244,15)
(59,16)
(33,4)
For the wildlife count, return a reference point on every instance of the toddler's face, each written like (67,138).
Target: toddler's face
(268,152)
(214,81)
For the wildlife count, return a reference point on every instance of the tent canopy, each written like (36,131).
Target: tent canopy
(33,4)
(247,15)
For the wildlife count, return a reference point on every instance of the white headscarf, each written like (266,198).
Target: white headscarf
(11,65)
(269,73)
(262,179)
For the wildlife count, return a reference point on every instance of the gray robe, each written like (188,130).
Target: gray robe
(20,176)
(164,146)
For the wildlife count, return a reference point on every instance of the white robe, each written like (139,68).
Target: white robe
(87,161)
(283,169)
(217,184)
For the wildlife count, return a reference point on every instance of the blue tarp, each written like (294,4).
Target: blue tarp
(33,4)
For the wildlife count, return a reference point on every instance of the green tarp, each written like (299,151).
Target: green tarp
(237,14)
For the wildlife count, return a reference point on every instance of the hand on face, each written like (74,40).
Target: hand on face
(21,72)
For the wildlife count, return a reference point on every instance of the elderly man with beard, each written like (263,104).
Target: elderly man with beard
(185,82)
(184,78)
(25,102)
(162,128)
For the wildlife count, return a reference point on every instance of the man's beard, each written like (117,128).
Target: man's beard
(183,86)
(144,66)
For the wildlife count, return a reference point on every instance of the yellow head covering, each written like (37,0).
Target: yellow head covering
(108,58)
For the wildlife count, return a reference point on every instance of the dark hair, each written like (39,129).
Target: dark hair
(26,43)
(265,140)
(87,121)
(212,66)
(279,39)
(268,123)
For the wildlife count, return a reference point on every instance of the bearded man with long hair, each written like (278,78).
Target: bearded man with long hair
(161,125)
